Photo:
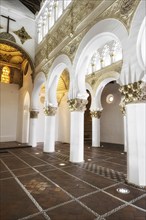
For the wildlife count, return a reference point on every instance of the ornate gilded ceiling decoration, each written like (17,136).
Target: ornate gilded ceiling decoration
(11,55)
(22,34)
(7,48)
(7,36)
(15,60)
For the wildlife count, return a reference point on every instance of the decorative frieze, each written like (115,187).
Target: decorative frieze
(133,92)
(122,10)
(77,104)
(50,110)
(34,114)
(95,114)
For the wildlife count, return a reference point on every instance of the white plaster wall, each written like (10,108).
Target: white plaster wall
(8,111)
(27,87)
(63,121)
(112,125)
(21,21)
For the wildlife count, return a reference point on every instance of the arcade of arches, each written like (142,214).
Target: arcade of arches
(69,78)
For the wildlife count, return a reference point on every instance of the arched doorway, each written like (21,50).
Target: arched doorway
(112,126)
(63,114)
(16,69)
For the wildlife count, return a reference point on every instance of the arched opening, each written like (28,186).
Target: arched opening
(16,68)
(63,114)
(112,128)
(41,116)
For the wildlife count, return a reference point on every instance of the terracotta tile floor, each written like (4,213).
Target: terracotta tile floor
(36,185)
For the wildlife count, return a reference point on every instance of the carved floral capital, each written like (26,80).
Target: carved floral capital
(132,93)
(77,104)
(50,110)
(34,114)
(95,114)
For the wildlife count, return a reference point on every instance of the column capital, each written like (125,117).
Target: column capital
(77,104)
(123,110)
(34,113)
(132,93)
(50,110)
(95,114)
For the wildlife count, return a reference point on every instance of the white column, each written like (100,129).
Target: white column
(96,127)
(102,63)
(49,134)
(112,58)
(49,21)
(32,128)
(77,137)
(55,11)
(136,135)
(95,132)
(125,134)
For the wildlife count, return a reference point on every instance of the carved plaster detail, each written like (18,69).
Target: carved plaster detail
(34,114)
(50,110)
(95,114)
(23,35)
(71,48)
(7,36)
(132,93)
(122,10)
(77,104)
(95,78)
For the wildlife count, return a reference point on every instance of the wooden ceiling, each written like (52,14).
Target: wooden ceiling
(32,5)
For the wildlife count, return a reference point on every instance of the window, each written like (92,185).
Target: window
(109,98)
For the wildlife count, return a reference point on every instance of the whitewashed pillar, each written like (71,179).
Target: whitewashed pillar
(112,57)
(77,108)
(49,133)
(95,128)
(136,152)
(125,133)
(55,11)
(102,62)
(134,100)
(122,108)
(33,128)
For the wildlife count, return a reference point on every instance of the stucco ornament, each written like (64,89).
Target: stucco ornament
(77,104)
(50,110)
(95,114)
(34,114)
(133,92)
